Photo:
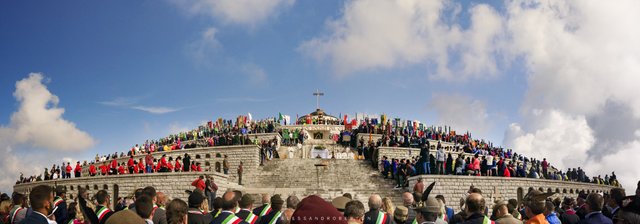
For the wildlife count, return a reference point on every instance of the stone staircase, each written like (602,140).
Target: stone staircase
(302,177)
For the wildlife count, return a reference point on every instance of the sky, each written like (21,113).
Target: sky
(551,79)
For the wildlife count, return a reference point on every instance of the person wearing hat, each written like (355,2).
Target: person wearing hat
(275,216)
(428,212)
(400,215)
(195,215)
(569,215)
(60,201)
(535,202)
(312,208)
(375,215)
(227,215)
(340,203)
(125,216)
(246,204)
(594,215)
(502,215)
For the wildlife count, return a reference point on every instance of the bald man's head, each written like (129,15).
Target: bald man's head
(375,201)
(229,201)
(407,199)
(475,203)
(265,198)
(162,199)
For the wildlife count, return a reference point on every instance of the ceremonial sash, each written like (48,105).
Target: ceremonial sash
(231,219)
(14,213)
(103,211)
(265,210)
(71,221)
(196,212)
(57,201)
(487,220)
(275,218)
(382,218)
(251,218)
(415,221)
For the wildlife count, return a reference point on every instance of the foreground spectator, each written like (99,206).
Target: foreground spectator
(275,216)
(501,212)
(144,208)
(197,216)
(375,215)
(475,206)
(354,212)
(227,214)
(19,210)
(177,212)
(594,210)
(125,216)
(246,204)
(41,200)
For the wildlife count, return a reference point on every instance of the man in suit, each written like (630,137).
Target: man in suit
(246,204)
(594,214)
(615,201)
(227,216)
(102,209)
(265,208)
(41,199)
(60,201)
(275,216)
(159,214)
(374,213)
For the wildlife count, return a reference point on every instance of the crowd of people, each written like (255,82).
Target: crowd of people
(459,155)
(45,205)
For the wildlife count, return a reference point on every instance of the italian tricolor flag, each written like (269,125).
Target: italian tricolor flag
(103,211)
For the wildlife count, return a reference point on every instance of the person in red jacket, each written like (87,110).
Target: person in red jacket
(114,167)
(78,169)
(141,167)
(68,169)
(198,168)
(104,169)
(164,166)
(178,166)
(193,166)
(170,165)
(130,164)
(121,169)
(199,183)
(135,167)
(92,170)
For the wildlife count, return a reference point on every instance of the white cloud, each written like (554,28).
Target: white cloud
(133,103)
(462,113)
(38,123)
(204,48)
(382,34)
(242,12)
(256,76)
(156,110)
(583,61)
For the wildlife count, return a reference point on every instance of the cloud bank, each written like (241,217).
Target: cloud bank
(581,64)
(38,123)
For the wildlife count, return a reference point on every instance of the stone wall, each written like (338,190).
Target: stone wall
(499,188)
(209,157)
(172,184)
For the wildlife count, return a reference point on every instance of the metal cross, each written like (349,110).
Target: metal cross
(318,94)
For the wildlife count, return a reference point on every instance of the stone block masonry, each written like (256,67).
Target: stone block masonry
(172,184)
(499,188)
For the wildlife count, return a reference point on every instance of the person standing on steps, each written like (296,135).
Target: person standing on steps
(225,165)
(240,170)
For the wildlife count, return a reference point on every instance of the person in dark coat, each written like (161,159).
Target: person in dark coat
(371,217)
(594,210)
(227,215)
(59,201)
(195,215)
(475,206)
(41,200)
(275,216)
(569,215)
(245,213)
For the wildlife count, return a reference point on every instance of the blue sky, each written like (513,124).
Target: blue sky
(199,60)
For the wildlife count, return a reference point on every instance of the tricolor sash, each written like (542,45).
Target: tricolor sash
(251,218)
(57,201)
(14,213)
(382,218)
(102,212)
(275,218)
(487,220)
(265,210)
(231,219)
